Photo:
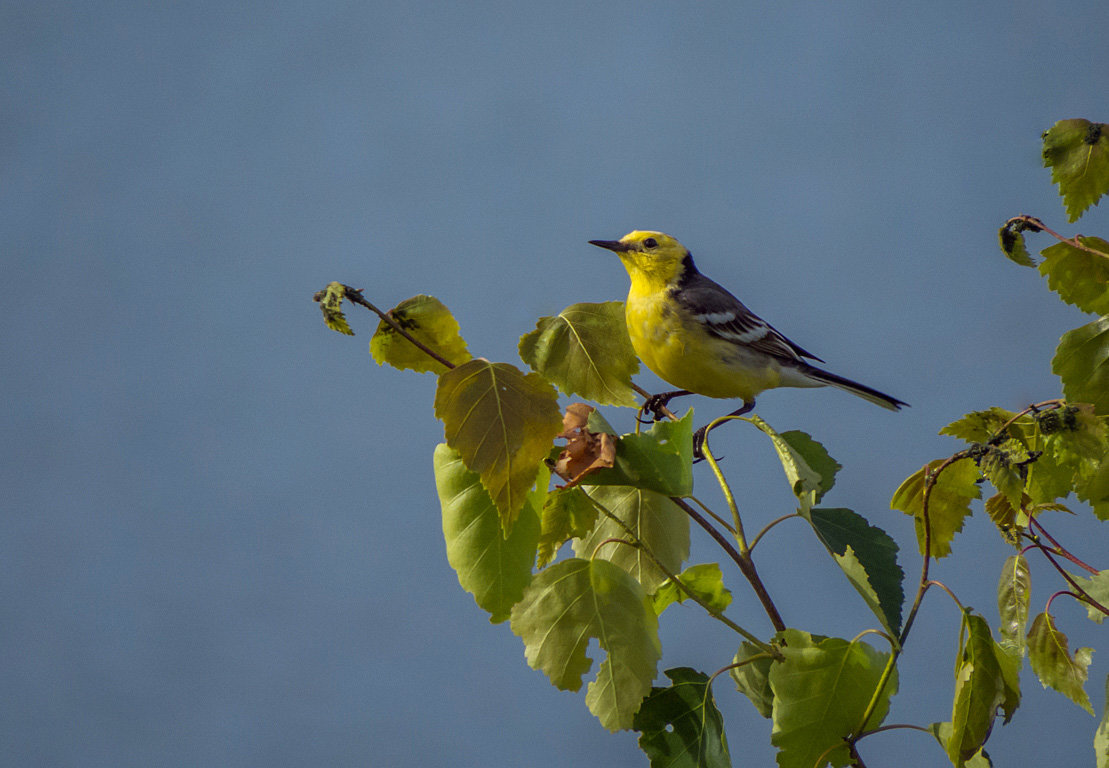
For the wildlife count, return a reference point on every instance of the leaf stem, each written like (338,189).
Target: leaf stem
(729,497)
(771,524)
(891,664)
(945,588)
(1082,594)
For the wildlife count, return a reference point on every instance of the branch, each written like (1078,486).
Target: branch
(746,566)
(639,544)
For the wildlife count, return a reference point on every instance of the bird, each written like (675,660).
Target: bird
(695,335)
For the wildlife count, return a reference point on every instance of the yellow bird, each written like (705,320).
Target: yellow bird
(695,335)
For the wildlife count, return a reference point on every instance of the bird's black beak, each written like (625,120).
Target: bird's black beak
(612,245)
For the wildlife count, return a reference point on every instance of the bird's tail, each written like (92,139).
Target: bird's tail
(855,388)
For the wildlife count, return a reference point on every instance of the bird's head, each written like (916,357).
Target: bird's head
(653,256)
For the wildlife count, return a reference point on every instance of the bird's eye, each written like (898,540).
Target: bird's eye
(650,242)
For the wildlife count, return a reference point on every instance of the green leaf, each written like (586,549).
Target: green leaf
(807,484)
(503,423)
(492,568)
(427,320)
(821,690)
(1097,587)
(1079,277)
(983,685)
(1082,362)
(1078,442)
(681,726)
(942,733)
(948,505)
(1051,660)
(653,518)
(1003,465)
(585,351)
(1004,518)
(705,581)
(1101,738)
(1011,239)
(568,513)
(1077,152)
(868,557)
(816,456)
(1095,490)
(660,459)
(982,426)
(575,600)
(1013,593)
(753,678)
(331,304)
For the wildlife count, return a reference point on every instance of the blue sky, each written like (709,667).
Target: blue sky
(220,538)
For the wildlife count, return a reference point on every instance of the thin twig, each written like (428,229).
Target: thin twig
(1082,594)
(1037,225)
(1060,549)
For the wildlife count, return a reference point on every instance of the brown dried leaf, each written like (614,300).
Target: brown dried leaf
(585,451)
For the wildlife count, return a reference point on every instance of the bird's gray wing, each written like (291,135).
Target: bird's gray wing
(726,316)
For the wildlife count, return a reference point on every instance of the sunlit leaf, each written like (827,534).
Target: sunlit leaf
(1049,654)
(1013,593)
(807,483)
(660,459)
(1101,737)
(653,518)
(492,568)
(753,678)
(821,691)
(983,686)
(1095,490)
(503,423)
(575,600)
(1078,441)
(1005,466)
(816,456)
(331,304)
(1082,362)
(585,351)
(1079,277)
(1097,587)
(1011,239)
(868,557)
(706,581)
(982,426)
(1077,152)
(948,505)
(942,733)
(1004,518)
(427,320)
(681,726)
(568,513)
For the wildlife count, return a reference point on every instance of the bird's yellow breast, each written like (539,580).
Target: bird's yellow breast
(681,351)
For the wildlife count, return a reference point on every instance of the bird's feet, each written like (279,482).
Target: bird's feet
(655,405)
